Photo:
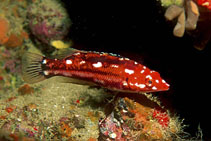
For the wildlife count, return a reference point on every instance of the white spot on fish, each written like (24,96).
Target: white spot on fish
(163,81)
(121,59)
(154,88)
(127,59)
(114,66)
(44,61)
(129,71)
(142,71)
(140,85)
(131,84)
(157,81)
(144,67)
(68,62)
(99,81)
(149,76)
(97,65)
(82,62)
(124,83)
(135,63)
(152,71)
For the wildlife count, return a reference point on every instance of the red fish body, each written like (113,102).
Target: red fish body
(102,69)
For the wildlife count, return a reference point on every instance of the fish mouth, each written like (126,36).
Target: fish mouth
(165,87)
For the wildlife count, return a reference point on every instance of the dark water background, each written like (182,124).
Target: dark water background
(138,30)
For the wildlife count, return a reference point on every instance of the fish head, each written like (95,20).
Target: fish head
(147,81)
(154,82)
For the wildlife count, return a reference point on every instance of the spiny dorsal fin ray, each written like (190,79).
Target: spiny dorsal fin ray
(63,53)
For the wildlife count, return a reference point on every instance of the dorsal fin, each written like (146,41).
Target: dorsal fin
(62,53)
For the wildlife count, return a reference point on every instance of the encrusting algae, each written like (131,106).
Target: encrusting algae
(12,33)
(52,110)
(4,28)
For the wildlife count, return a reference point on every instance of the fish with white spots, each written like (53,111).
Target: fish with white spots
(102,69)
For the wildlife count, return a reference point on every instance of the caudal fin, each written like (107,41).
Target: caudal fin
(32,67)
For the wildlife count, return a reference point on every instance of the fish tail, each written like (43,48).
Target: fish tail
(32,68)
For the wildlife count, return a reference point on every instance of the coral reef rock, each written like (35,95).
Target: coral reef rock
(133,121)
(48,20)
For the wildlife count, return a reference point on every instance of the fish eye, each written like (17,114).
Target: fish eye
(148,82)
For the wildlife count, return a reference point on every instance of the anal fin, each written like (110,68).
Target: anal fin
(64,79)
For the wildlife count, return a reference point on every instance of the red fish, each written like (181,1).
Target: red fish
(102,69)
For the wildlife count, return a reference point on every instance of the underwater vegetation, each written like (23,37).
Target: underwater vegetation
(120,106)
